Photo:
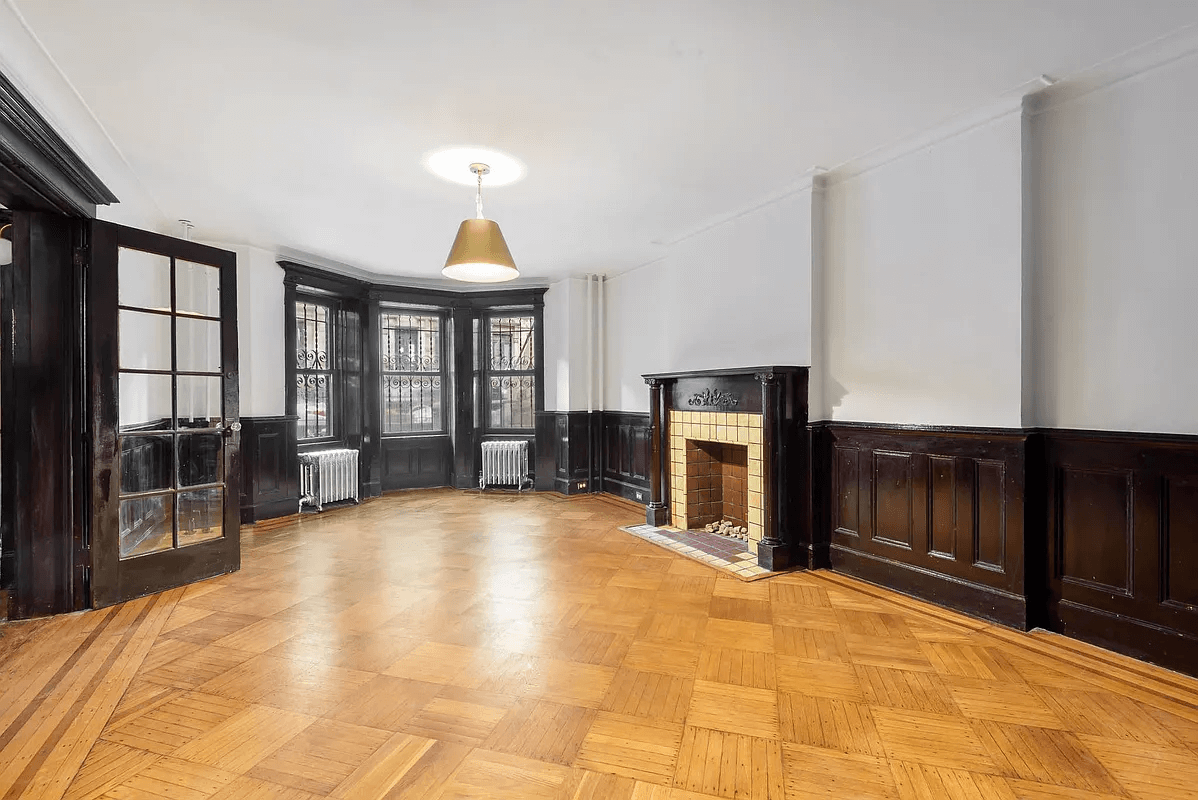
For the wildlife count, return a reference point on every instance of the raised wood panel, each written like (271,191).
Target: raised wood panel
(933,513)
(270,455)
(562,448)
(1180,529)
(990,525)
(1122,538)
(416,462)
(848,488)
(270,472)
(942,507)
(624,438)
(892,482)
(1096,534)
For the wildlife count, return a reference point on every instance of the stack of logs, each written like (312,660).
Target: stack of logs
(727,528)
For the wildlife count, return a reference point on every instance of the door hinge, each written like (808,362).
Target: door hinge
(81,256)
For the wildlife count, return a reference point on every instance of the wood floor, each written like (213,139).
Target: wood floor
(451,645)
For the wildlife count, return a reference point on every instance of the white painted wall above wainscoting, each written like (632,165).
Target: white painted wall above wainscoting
(260,332)
(737,294)
(1117,249)
(565,346)
(922,279)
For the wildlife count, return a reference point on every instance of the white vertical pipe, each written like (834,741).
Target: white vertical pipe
(601,333)
(590,346)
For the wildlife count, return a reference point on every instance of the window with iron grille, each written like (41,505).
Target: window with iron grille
(511,381)
(412,372)
(315,370)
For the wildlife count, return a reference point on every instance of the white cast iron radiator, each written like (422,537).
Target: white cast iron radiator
(327,476)
(504,464)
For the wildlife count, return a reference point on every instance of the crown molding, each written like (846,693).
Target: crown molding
(385,280)
(1007,105)
(32,149)
(1126,66)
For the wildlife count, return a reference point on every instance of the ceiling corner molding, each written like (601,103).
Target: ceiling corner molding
(311,261)
(53,175)
(1146,58)
(1010,103)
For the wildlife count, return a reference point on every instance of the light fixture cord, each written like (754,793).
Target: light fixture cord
(478,200)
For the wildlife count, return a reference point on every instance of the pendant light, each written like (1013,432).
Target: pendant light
(479,253)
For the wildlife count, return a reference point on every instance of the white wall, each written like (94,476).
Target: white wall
(737,294)
(566,346)
(921,284)
(25,63)
(1114,311)
(260,333)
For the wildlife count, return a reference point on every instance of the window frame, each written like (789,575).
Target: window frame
(336,401)
(486,372)
(444,357)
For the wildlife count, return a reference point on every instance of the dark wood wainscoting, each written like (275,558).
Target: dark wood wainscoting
(564,451)
(270,471)
(416,462)
(625,454)
(1122,520)
(593,451)
(938,514)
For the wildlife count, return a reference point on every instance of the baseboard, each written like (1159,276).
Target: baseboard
(986,602)
(1136,638)
(577,485)
(270,510)
(637,493)
(622,503)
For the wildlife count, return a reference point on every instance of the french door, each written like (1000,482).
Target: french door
(162,342)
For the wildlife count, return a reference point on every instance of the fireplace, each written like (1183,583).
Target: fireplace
(731,444)
(715,470)
(716,484)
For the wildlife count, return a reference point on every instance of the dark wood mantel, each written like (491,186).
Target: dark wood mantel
(779,395)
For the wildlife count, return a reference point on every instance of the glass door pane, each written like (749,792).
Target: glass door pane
(172,491)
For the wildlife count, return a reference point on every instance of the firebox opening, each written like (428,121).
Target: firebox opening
(717,476)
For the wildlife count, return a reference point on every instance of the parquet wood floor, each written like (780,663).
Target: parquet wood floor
(442,645)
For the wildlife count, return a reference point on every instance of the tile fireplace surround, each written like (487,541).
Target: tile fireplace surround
(733,442)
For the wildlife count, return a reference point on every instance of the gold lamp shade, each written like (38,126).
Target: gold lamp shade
(479,254)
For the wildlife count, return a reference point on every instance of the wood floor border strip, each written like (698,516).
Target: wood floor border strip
(64,747)
(7,735)
(104,674)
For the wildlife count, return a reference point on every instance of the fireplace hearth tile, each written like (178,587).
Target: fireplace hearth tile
(719,552)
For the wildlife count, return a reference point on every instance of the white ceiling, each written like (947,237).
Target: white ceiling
(300,125)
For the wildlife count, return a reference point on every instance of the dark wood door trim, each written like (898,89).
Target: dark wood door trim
(38,170)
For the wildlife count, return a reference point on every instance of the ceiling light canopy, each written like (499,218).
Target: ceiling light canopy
(453,164)
(479,253)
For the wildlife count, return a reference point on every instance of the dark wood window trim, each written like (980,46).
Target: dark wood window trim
(344,296)
(388,372)
(464,430)
(330,370)
(487,372)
